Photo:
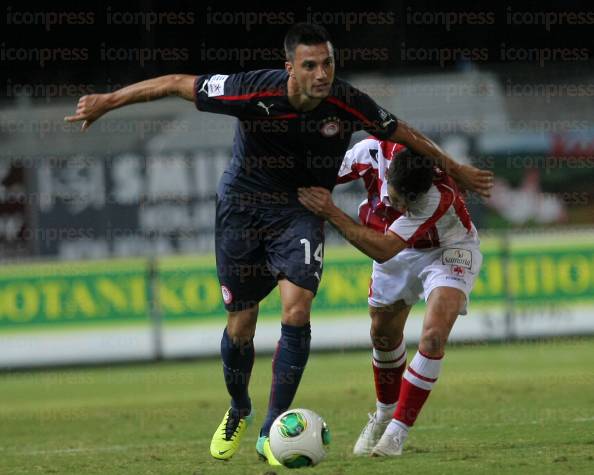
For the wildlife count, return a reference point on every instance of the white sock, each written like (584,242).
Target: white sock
(384,412)
(396,426)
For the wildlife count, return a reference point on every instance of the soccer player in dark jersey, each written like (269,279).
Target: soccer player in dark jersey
(294,126)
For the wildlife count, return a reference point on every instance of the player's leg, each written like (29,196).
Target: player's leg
(443,307)
(388,363)
(245,281)
(389,353)
(392,292)
(294,253)
(289,360)
(237,354)
(292,350)
(447,277)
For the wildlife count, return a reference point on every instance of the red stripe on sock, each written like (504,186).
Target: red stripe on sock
(390,361)
(420,376)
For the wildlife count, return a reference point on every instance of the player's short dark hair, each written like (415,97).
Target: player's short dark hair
(411,175)
(304,34)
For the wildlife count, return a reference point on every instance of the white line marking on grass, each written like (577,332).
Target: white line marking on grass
(502,424)
(109,448)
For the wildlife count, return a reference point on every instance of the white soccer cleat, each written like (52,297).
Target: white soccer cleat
(390,444)
(370,435)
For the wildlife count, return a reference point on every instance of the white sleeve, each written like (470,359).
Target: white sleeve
(358,160)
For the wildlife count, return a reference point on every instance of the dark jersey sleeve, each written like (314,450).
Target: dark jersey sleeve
(229,93)
(369,116)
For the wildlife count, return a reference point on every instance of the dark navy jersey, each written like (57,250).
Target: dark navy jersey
(276,148)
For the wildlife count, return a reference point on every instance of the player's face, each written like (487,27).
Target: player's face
(397,201)
(313,69)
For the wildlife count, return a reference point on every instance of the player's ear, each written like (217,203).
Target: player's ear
(330,49)
(289,68)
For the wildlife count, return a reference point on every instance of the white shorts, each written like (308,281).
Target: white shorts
(413,272)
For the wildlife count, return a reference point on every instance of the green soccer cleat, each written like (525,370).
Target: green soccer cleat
(226,438)
(264,452)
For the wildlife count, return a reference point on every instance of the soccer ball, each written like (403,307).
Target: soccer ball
(298,438)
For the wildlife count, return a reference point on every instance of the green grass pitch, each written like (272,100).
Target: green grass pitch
(519,408)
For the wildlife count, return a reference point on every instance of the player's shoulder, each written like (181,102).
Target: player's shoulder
(245,82)
(265,77)
(365,150)
(388,148)
(368,142)
(344,91)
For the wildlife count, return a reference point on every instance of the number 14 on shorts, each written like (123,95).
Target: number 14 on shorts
(318,253)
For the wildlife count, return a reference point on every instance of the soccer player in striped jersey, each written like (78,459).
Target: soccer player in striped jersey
(294,126)
(416,227)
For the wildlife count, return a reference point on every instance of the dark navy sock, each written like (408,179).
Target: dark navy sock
(288,364)
(238,360)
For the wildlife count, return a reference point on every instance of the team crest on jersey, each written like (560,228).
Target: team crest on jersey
(457,257)
(227,295)
(330,126)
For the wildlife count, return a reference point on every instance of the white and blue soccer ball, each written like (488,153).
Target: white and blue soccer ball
(299,438)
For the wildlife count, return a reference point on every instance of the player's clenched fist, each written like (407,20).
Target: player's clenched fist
(89,109)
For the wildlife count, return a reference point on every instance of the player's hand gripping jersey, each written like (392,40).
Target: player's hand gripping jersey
(440,218)
(443,243)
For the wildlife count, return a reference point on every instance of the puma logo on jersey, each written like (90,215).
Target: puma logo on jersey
(203,88)
(265,107)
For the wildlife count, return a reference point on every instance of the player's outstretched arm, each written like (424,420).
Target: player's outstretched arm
(380,247)
(93,106)
(469,177)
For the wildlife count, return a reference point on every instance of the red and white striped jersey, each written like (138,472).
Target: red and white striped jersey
(438,218)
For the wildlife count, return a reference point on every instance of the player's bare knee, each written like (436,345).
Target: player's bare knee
(241,326)
(296,315)
(380,333)
(378,326)
(240,335)
(433,341)
(387,325)
(385,342)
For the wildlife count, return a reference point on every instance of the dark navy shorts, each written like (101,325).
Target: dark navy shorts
(257,246)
